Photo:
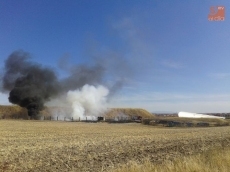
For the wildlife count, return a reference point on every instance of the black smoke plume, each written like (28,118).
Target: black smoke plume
(30,84)
(81,75)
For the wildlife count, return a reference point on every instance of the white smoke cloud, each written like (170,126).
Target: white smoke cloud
(89,101)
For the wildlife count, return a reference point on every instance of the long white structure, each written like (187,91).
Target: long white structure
(196,115)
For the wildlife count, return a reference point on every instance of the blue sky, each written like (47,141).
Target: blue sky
(175,58)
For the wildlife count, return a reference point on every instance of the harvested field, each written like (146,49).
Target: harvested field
(213,160)
(69,146)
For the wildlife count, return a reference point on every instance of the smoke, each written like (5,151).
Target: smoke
(30,84)
(88,101)
(81,75)
(60,112)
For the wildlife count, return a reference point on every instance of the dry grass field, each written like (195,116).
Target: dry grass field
(69,146)
(213,160)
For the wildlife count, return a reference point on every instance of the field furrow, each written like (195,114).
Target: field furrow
(71,146)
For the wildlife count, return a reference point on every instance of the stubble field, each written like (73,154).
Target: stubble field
(75,146)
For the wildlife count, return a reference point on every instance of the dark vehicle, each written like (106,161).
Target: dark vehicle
(100,118)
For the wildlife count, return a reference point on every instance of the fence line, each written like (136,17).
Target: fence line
(65,118)
(97,119)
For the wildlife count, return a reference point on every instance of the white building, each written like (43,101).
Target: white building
(197,115)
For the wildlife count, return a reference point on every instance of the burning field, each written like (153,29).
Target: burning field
(69,146)
(32,86)
(16,112)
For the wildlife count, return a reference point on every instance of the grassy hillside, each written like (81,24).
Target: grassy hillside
(11,112)
(127,112)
